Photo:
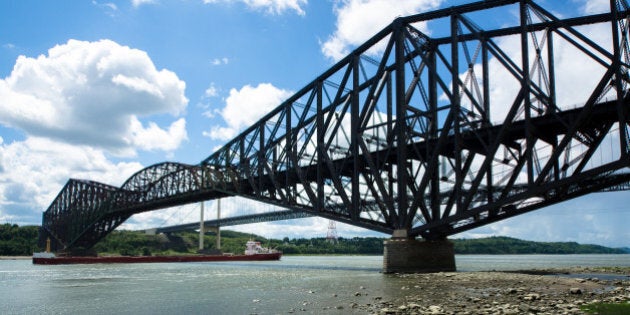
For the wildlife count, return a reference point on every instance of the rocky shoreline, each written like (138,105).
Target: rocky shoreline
(555,291)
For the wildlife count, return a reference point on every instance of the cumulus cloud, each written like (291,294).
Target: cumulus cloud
(94,93)
(270,6)
(358,20)
(245,106)
(32,172)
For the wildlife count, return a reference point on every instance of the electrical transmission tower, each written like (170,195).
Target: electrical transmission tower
(331,236)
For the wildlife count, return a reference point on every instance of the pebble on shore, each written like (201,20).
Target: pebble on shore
(497,293)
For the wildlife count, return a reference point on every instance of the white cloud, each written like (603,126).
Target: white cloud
(137,3)
(155,138)
(220,61)
(75,105)
(111,7)
(32,172)
(594,6)
(211,91)
(93,93)
(270,6)
(246,106)
(358,20)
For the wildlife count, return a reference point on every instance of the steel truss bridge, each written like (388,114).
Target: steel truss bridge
(236,220)
(429,134)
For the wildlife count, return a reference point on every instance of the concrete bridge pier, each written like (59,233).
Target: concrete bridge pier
(408,255)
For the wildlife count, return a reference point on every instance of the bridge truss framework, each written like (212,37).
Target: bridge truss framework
(430,135)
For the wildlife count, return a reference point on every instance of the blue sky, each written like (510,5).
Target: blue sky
(100,89)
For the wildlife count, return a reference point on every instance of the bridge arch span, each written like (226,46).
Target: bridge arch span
(157,182)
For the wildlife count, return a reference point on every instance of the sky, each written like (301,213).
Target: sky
(99,90)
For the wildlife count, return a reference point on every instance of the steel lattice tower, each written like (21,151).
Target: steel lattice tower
(332,236)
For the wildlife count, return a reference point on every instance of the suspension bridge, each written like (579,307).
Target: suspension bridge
(419,135)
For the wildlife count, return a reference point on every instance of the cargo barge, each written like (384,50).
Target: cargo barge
(253,252)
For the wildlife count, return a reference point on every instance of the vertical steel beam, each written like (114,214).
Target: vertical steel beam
(552,73)
(242,160)
(456,110)
(401,128)
(319,121)
(262,159)
(288,156)
(201,227)
(552,106)
(433,133)
(354,139)
(526,86)
(616,63)
(393,213)
(487,118)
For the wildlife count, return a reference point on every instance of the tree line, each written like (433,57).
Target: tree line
(18,241)
(22,241)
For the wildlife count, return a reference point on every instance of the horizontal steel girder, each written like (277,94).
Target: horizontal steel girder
(238,220)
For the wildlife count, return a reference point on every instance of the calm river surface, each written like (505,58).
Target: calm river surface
(300,284)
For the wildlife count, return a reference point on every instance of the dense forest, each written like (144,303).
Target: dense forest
(21,241)
(18,241)
(508,245)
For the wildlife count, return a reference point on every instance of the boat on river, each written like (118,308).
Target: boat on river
(253,252)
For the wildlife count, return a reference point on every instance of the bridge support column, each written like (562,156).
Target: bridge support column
(408,255)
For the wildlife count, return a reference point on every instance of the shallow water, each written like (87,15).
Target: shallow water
(316,284)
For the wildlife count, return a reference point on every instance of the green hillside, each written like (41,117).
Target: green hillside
(21,241)
(508,245)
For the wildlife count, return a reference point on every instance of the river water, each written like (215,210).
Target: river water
(296,284)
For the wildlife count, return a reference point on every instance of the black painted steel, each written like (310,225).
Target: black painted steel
(237,220)
(408,133)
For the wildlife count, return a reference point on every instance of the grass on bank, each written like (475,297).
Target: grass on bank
(607,308)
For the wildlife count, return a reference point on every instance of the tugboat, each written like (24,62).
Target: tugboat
(253,252)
